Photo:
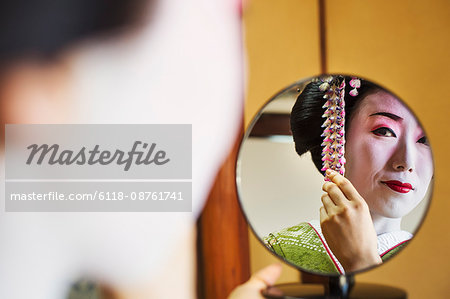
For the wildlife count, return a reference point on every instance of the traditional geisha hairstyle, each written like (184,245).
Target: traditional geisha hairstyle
(307,114)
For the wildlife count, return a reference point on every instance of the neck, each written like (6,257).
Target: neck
(383,224)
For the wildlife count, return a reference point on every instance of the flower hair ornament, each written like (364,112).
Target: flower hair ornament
(333,133)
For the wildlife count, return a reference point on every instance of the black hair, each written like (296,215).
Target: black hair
(306,115)
(42,28)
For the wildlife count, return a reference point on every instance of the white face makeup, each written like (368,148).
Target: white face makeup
(389,160)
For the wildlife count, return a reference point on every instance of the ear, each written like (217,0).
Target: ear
(35,92)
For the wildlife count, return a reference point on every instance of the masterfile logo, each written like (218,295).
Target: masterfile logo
(52,155)
(100,168)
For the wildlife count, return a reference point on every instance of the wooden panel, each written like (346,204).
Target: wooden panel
(223,250)
(282,44)
(272,124)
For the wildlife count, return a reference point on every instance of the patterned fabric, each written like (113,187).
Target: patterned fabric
(387,241)
(304,246)
(301,246)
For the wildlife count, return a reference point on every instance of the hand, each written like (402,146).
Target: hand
(258,282)
(347,225)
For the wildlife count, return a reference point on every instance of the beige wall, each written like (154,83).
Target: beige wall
(403,45)
(282,43)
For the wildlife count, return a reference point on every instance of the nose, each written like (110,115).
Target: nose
(404,157)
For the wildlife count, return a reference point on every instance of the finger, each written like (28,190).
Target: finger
(266,277)
(344,184)
(328,204)
(259,281)
(335,193)
(323,214)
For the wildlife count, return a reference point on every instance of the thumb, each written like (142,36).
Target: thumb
(266,276)
(257,283)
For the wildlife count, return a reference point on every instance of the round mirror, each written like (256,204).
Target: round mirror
(370,202)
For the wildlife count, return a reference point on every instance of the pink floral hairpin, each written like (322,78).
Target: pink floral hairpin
(355,83)
(333,133)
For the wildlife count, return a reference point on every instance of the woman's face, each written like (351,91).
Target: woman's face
(388,156)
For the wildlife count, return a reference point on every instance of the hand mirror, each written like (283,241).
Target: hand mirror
(358,214)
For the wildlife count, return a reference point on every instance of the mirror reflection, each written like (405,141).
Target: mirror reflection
(335,174)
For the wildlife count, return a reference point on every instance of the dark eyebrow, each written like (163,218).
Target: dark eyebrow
(387,114)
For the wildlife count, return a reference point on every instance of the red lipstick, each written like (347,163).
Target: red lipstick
(399,186)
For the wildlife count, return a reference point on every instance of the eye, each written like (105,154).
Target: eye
(423,140)
(383,131)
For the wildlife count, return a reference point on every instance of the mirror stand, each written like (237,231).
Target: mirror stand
(338,287)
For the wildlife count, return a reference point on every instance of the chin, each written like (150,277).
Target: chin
(396,210)
(390,207)
(395,214)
